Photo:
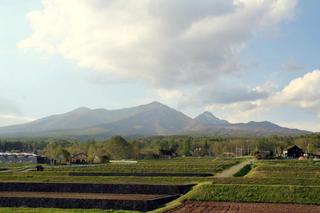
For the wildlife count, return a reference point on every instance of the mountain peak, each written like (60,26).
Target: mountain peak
(156,103)
(208,114)
(81,109)
(209,119)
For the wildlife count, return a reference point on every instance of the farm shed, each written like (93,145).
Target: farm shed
(79,158)
(293,151)
(10,157)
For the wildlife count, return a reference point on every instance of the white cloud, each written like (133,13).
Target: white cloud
(302,92)
(167,43)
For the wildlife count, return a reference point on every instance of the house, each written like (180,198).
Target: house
(292,152)
(80,158)
(167,154)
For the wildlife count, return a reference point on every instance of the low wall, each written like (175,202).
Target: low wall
(138,205)
(96,188)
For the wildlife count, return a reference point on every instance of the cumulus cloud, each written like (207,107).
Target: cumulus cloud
(302,92)
(167,43)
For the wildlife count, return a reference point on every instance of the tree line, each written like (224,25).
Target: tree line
(156,147)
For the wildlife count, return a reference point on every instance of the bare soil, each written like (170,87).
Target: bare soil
(230,207)
(100,196)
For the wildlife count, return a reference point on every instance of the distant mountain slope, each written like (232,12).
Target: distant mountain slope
(149,119)
(157,120)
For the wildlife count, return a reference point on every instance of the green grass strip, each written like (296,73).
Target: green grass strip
(256,193)
(242,172)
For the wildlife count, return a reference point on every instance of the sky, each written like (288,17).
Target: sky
(242,60)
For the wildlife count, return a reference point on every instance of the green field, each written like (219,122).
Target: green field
(178,165)
(285,181)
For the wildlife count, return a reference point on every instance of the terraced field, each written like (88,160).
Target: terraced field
(180,166)
(290,182)
(153,173)
(279,181)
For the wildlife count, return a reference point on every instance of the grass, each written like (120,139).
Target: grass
(278,181)
(176,165)
(268,181)
(257,193)
(103,179)
(244,171)
(59,174)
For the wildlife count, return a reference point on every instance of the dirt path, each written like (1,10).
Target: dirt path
(233,169)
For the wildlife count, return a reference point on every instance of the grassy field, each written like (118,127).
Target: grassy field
(257,193)
(284,181)
(54,174)
(179,165)
(176,165)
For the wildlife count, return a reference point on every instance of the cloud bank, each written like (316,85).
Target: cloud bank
(166,43)
(10,113)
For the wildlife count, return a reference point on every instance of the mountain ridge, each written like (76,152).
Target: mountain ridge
(150,119)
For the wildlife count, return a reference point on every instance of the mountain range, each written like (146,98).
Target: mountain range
(145,120)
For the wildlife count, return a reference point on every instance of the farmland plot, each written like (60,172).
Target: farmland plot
(278,181)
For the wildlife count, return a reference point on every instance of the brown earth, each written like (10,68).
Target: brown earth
(230,207)
(102,196)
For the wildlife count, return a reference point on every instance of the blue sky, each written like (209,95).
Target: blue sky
(241,60)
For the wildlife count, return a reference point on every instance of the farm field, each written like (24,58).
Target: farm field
(61,174)
(208,166)
(278,181)
(271,184)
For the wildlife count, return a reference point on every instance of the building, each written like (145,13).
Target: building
(292,152)
(167,154)
(263,154)
(11,157)
(80,158)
